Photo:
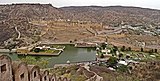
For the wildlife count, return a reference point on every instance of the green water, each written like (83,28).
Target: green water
(70,53)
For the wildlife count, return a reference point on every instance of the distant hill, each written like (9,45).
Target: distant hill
(20,15)
(113,14)
(31,11)
(108,15)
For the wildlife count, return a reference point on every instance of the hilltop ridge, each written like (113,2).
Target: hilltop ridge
(22,15)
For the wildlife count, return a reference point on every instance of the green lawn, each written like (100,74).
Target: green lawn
(49,51)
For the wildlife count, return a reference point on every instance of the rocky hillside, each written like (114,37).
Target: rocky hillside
(110,15)
(32,11)
(19,16)
(114,15)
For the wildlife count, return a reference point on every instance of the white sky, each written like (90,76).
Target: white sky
(155,4)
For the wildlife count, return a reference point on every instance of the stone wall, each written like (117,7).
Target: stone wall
(5,68)
(84,24)
(20,71)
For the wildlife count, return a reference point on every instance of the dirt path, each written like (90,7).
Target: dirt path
(96,77)
(19,34)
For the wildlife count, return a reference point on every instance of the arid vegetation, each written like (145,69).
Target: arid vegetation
(132,32)
(22,16)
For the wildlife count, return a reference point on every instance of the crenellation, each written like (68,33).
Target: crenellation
(5,68)
(20,71)
(53,78)
(34,73)
(59,79)
(44,75)
(84,24)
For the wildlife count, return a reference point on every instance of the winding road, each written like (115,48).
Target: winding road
(19,34)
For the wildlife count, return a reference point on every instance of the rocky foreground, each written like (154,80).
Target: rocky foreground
(144,71)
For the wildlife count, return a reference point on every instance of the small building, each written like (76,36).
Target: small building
(5,68)
(44,75)
(20,71)
(43,47)
(85,44)
(34,73)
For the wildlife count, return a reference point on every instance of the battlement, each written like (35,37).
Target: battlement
(68,23)
(20,71)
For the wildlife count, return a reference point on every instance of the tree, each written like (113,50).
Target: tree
(106,40)
(122,68)
(127,57)
(102,56)
(70,41)
(129,49)
(75,40)
(115,48)
(36,50)
(141,49)
(103,45)
(123,48)
(120,55)
(150,51)
(112,61)
(32,60)
(155,50)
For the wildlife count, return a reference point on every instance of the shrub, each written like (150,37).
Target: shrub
(120,55)
(129,49)
(102,56)
(112,61)
(115,48)
(150,51)
(155,50)
(103,45)
(123,48)
(141,49)
(33,60)
(36,50)
(122,68)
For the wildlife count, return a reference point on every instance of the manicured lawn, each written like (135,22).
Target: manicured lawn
(60,47)
(49,51)
(56,51)
(52,51)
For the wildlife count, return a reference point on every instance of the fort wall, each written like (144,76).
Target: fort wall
(71,23)
(20,71)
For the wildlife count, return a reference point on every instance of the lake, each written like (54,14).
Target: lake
(70,53)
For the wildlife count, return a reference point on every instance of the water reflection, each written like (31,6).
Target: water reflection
(70,53)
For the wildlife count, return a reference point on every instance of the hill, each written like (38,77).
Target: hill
(31,11)
(19,17)
(114,15)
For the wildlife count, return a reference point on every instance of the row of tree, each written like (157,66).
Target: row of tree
(150,51)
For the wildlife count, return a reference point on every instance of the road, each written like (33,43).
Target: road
(19,34)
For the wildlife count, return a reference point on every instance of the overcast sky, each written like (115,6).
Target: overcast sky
(155,4)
